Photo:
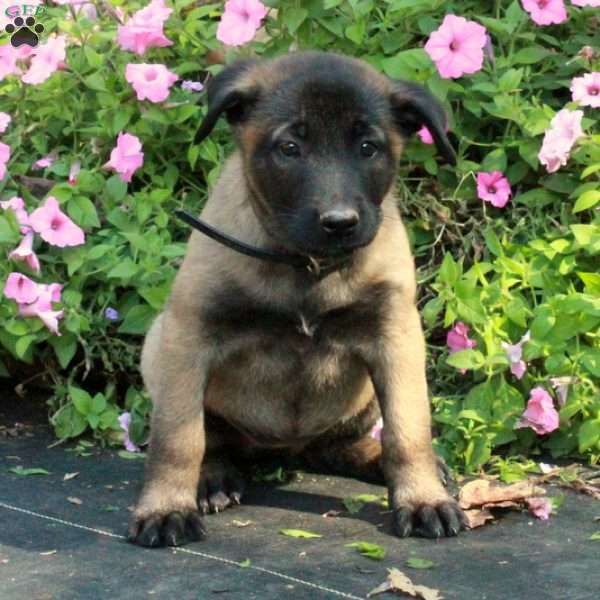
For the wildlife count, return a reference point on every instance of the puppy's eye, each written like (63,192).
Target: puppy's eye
(289,149)
(368,149)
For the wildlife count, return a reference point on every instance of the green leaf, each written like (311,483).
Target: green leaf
(494,161)
(372,551)
(293,18)
(299,533)
(126,269)
(131,455)
(69,422)
(588,435)
(466,359)
(98,403)
(65,347)
(419,563)
(137,320)
(595,536)
(81,400)
(409,64)
(116,188)
(587,200)
(83,212)
(23,344)
(353,504)
(245,563)
(25,472)
(530,55)
(95,81)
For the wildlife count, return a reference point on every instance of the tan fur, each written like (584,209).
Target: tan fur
(289,392)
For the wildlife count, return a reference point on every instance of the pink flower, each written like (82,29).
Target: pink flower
(47,59)
(592,3)
(515,354)
(145,29)
(8,61)
(493,188)
(539,507)
(425,135)
(5,119)
(17,205)
(127,156)
(457,47)
(54,226)
(458,338)
(564,131)
(540,414)
(191,86)
(24,252)
(546,12)
(46,161)
(150,81)
(74,171)
(377,429)
(586,89)
(4,156)
(240,21)
(125,423)
(41,307)
(20,288)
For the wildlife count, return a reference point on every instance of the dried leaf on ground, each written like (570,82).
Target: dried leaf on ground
(74,500)
(69,476)
(241,523)
(332,513)
(397,581)
(482,492)
(478,517)
(48,553)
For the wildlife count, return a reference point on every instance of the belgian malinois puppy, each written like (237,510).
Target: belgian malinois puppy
(306,351)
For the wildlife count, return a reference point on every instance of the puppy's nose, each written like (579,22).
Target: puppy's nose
(339,222)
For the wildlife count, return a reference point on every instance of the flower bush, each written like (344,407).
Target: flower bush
(97,149)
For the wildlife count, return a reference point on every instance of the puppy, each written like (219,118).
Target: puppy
(306,352)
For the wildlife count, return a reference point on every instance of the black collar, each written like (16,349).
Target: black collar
(316,266)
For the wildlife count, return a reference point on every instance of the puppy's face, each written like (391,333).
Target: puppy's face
(320,135)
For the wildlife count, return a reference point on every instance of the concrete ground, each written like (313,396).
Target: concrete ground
(63,539)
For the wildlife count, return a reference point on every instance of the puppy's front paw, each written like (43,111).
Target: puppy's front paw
(172,529)
(430,520)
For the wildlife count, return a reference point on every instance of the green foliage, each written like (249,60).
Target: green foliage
(530,266)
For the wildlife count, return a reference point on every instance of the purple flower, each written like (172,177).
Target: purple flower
(192,86)
(515,354)
(112,314)
(125,422)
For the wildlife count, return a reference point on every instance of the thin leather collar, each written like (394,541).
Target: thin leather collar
(316,266)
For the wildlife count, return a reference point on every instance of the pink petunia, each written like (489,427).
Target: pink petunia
(46,161)
(54,226)
(127,156)
(240,21)
(457,46)
(559,139)
(539,507)
(20,288)
(17,205)
(4,157)
(125,423)
(425,135)
(458,338)
(48,58)
(191,86)
(586,89)
(377,429)
(150,82)
(494,188)
(546,12)
(5,119)
(514,352)
(24,252)
(42,308)
(8,61)
(540,413)
(145,29)
(592,3)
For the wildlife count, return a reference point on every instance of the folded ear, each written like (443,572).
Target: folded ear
(232,91)
(413,106)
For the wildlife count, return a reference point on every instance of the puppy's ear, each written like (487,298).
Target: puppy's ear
(413,106)
(231,92)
